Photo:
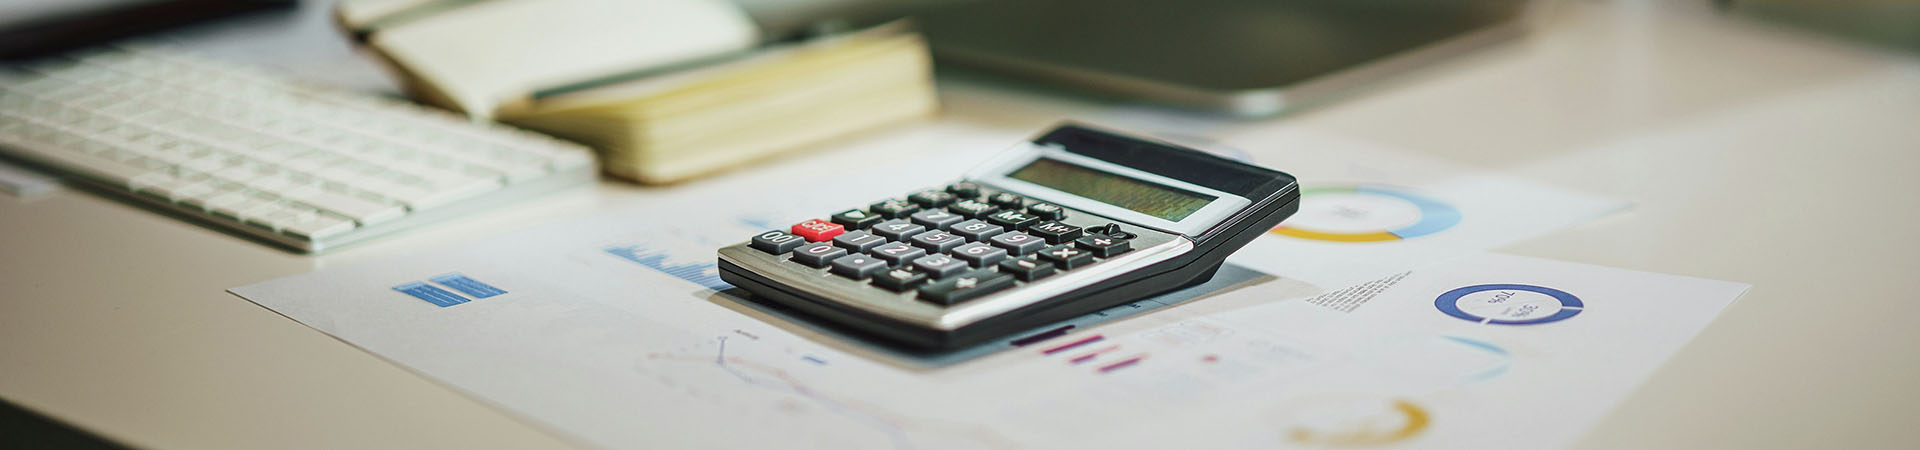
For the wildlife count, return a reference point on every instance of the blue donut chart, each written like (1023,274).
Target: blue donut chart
(1449,303)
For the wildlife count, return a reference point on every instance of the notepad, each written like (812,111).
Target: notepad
(665,90)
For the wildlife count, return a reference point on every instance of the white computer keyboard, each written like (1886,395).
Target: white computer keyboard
(298,165)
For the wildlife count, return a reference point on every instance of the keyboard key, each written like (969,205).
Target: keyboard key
(936,219)
(857,267)
(858,241)
(1055,232)
(1017,243)
(937,241)
(1007,200)
(900,279)
(964,190)
(816,230)
(817,254)
(897,253)
(939,266)
(976,230)
(1013,220)
(1047,211)
(776,242)
(1027,269)
(367,212)
(966,286)
(1102,246)
(1066,256)
(854,219)
(893,208)
(972,209)
(317,226)
(931,198)
(979,254)
(897,229)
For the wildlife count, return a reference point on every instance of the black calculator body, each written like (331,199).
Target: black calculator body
(1075,221)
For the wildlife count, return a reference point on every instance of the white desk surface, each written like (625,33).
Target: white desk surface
(1754,153)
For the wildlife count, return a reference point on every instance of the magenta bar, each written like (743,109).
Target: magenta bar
(1071,345)
(1122,364)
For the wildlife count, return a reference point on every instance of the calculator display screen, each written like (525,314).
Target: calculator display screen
(1140,196)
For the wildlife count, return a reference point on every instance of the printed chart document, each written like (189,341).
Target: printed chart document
(1368,211)
(616,331)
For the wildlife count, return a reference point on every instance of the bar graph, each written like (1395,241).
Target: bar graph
(704,272)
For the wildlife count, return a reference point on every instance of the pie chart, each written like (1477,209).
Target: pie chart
(1509,304)
(1367,213)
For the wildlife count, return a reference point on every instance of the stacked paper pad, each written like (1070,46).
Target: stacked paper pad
(671,127)
(665,91)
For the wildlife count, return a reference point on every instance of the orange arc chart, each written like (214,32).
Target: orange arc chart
(1367,213)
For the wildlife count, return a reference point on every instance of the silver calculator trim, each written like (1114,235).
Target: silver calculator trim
(905,307)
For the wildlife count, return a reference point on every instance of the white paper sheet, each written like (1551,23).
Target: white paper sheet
(609,331)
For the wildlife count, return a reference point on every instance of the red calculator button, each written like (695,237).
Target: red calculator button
(816,230)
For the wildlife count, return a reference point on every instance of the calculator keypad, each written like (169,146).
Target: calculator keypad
(946,245)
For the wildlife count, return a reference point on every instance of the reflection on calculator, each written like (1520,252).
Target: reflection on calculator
(1075,221)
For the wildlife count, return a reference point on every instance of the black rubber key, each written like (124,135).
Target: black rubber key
(1103,246)
(966,286)
(900,279)
(855,219)
(1054,232)
(1027,269)
(1047,211)
(777,242)
(1066,256)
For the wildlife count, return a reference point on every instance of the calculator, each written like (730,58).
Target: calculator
(1075,221)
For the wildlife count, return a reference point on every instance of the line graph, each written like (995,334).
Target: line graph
(899,431)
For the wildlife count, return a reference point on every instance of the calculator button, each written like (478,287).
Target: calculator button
(1027,269)
(1013,219)
(966,286)
(1018,243)
(936,219)
(972,209)
(975,230)
(1066,256)
(964,189)
(857,267)
(937,241)
(858,241)
(1054,232)
(816,230)
(855,219)
(897,229)
(979,254)
(776,242)
(1007,200)
(1047,211)
(893,208)
(897,253)
(817,254)
(939,266)
(899,279)
(1102,246)
(1111,229)
(931,198)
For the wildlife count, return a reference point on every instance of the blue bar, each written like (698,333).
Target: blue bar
(467,285)
(436,296)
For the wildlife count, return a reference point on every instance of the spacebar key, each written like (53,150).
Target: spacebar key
(966,286)
(360,210)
